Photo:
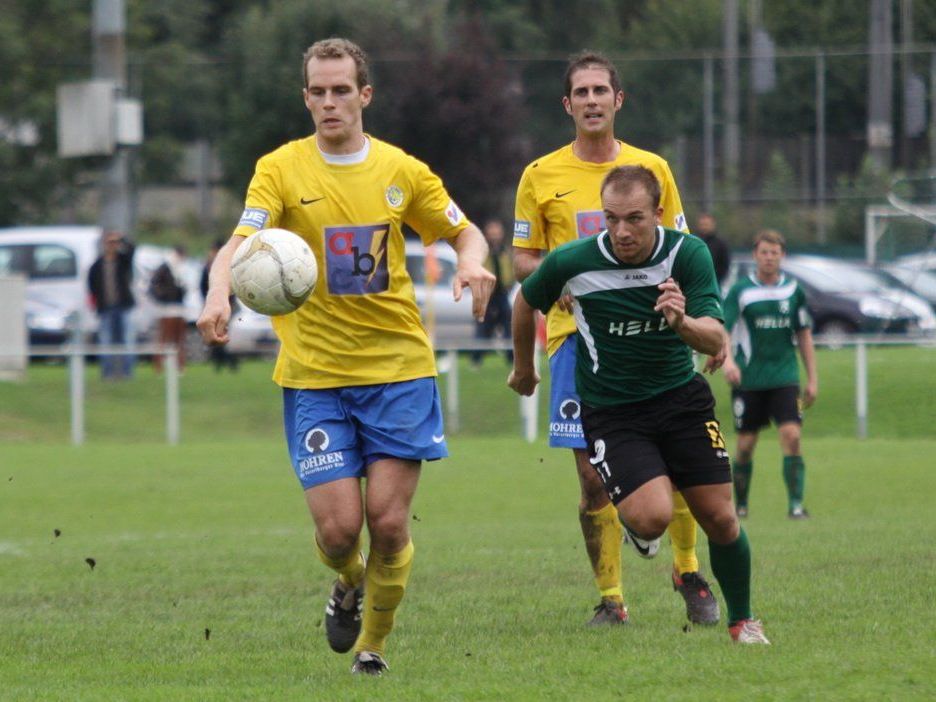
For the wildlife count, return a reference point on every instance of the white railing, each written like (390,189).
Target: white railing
(448,366)
(76,353)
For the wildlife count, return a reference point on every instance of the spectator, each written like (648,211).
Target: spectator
(706,230)
(109,281)
(167,288)
(500,263)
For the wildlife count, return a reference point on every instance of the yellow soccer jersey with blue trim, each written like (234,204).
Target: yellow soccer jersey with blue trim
(361,325)
(559,200)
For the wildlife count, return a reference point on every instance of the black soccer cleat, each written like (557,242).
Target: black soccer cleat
(367,663)
(609,612)
(701,605)
(343,616)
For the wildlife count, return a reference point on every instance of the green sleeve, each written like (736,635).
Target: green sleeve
(544,286)
(695,274)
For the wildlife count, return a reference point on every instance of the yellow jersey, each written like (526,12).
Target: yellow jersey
(361,325)
(559,200)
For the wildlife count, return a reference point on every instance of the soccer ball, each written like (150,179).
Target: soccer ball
(273,271)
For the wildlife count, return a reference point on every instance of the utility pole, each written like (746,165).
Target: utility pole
(730,99)
(880,84)
(906,76)
(110,63)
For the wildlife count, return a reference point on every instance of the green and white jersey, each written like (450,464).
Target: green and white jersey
(763,321)
(626,351)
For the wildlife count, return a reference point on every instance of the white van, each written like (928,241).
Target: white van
(55,261)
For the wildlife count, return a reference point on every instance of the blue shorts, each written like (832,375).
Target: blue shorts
(336,433)
(565,406)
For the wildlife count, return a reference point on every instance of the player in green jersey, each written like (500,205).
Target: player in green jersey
(767,316)
(558,201)
(644,297)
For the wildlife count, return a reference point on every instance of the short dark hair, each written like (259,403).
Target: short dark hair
(770,236)
(590,59)
(336,48)
(623,178)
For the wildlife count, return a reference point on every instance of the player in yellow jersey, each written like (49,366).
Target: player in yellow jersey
(355,364)
(558,200)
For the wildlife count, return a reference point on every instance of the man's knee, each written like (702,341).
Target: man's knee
(337,537)
(388,529)
(721,526)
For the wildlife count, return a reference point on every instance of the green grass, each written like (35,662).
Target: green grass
(206,537)
(214,535)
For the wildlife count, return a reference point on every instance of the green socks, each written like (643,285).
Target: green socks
(731,565)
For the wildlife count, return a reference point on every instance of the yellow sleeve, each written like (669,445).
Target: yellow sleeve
(433,214)
(529,230)
(263,207)
(673,215)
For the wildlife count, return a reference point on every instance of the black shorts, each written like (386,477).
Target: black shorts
(753,409)
(673,434)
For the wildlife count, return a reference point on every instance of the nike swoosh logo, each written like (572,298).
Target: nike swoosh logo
(438,439)
(558,194)
(303,201)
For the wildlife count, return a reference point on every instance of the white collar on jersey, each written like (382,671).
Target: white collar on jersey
(346,159)
(607,250)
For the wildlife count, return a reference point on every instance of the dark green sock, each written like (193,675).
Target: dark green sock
(794,475)
(741,474)
(731,565)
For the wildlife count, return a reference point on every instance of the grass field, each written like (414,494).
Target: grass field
(205,587)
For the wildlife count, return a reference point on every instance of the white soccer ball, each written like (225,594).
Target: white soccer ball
(273,271)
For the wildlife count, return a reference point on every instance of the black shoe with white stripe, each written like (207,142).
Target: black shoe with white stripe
(343,616)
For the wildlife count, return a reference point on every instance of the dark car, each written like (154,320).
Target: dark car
(847,298)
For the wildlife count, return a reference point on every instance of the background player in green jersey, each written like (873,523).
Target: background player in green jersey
(360,404)
(767,316)
(644,297)
(558,200)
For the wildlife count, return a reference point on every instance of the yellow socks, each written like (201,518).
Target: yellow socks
(682,531)
(384,584)
(350,569)
(603,533)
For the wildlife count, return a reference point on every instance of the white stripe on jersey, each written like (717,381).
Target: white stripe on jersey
(597,281)
(766,293)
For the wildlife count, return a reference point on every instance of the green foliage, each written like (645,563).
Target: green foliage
(868,187)
(779,189)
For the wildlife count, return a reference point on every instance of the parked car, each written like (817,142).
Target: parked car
(846,297)
(448,321)
(920,281)
(55,261)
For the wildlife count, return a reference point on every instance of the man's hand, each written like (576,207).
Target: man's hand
(672,303)
(481,282)
(213,320)
(810,392)
(713,363)
(523,382)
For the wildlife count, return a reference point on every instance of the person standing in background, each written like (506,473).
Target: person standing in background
(499,262)
(110,279)
(706,230)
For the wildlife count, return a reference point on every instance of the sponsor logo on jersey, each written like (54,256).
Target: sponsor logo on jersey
(770,322)
(356,259)
(637,326)
(254,217)
(394,196)
(589,223)
(521,229)
(453,213)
